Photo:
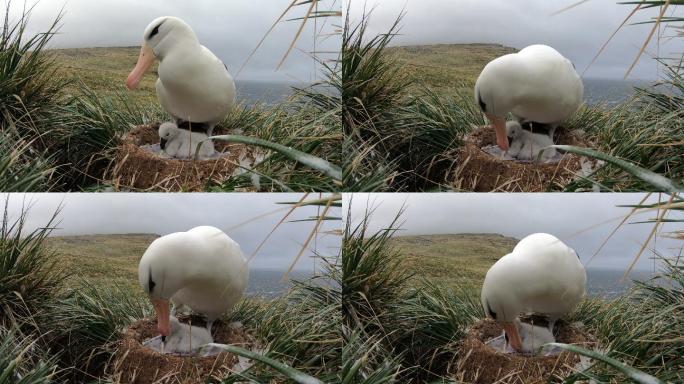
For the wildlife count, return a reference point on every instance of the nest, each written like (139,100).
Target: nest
(482,364)
(135,363)
(480,171)
(138,168)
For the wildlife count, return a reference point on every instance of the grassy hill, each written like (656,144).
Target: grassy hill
(446,66)
(105,70)
(453,260)
(102,259)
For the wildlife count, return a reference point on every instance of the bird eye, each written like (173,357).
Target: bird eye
(155,30)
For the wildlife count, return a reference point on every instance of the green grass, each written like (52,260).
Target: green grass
(104,70)
(101,259)
(445,67)
(459,260)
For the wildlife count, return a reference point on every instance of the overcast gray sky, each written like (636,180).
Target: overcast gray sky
(518,215)
(231,29)
(577,33)
(116,213)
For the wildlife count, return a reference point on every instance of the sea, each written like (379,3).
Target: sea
(607,91)
(610,92)
(609,283)
(266,93)
(269,284)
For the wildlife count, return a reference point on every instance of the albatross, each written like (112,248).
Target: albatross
(541,275)
(202,269)
(536,85)
(194,86)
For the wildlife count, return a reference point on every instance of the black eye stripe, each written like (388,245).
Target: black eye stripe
(489,310)
(483,105)
(150,283)
(155,30)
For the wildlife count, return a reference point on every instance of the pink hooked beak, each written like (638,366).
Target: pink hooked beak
(145,61)
(499,125)
(513,335)
(161,307)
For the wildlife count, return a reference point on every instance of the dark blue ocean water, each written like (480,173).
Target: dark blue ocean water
(607,91)
(610,91)
(609,283)
(268,283)
(269,93)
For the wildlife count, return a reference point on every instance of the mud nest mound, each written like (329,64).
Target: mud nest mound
(135,363)
(480,171)
(139,168)
(483,364)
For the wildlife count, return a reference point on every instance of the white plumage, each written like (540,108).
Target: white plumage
(182,144)
(193,85)
(541,275)
(182,339)
(536,84)
(526,145)
(202,269)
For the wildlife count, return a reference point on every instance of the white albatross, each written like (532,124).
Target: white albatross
(202,269)
(194,86)
(536,84)
(541,275)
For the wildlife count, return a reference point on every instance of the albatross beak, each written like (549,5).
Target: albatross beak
(162,143)
(513,335)
(161,307)
(499,125)
(145,61)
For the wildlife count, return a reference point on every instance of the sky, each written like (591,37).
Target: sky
(120,213)
(578,33)
(231,29)
(582,221)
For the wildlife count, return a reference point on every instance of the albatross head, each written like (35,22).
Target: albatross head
(160,274)
(161,36)
(167,132)
(494,95)
(500,302)
(513,129)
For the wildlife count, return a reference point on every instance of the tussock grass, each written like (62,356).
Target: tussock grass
(22,167)
(302,329)
(28,278)
(20,363)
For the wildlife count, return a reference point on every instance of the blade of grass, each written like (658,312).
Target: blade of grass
(314,162)
(291,373)
(616,229)
(282,220)
(656,180)
(634,374)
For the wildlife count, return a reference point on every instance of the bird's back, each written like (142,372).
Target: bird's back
(219,276)
(554,278)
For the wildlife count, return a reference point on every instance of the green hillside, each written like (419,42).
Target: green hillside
(105,70)
(102,259)
(453,260)
(446,66)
